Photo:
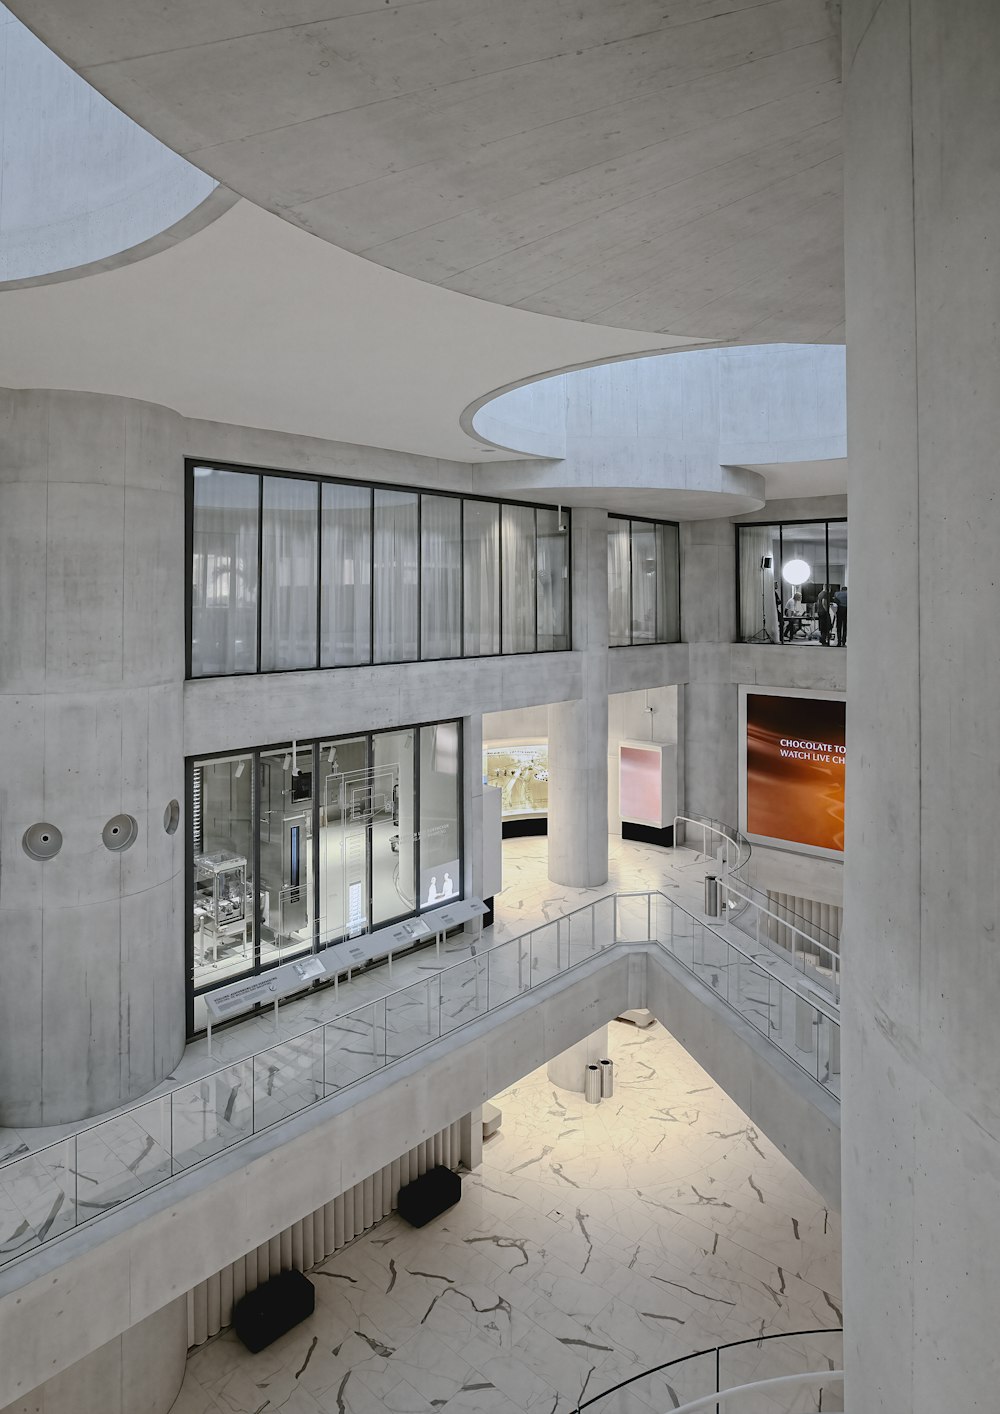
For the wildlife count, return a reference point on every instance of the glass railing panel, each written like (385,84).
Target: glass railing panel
(634,921)
(287,1078)
(751,992)
(828,1053)
(210,1114)
(604,920)
(462,992)
(354,1045)
(547,953)
(508,970)
(123,1156)
(411,1019)
(38,1198)
(659,1391)
(784,1355)
(581,940)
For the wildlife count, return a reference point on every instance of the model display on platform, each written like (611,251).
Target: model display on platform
(521,770)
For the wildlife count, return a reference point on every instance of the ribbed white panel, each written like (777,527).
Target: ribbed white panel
(803,913)
(315,1237)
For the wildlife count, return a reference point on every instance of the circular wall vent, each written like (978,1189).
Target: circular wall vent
(42,841)
(120,832)
(172,817)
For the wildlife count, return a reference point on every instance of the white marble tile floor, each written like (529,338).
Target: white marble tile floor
(594,1242)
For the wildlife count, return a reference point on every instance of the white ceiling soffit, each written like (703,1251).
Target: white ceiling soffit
(670,168)
(254,322)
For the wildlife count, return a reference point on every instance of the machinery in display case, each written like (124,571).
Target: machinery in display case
(220,899)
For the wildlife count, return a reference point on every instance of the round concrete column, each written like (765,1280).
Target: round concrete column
(568,1068)
(921,1074)
(578,731)
(91,728)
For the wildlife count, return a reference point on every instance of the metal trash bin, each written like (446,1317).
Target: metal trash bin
(712,895)
(607,1079)
(592,1085)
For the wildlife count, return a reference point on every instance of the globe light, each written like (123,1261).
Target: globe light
(796,572)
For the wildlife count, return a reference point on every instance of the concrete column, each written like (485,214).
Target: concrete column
(578,731)
(568,1069)
(139,1372)
(709,720)
(921,1074)
(91,717)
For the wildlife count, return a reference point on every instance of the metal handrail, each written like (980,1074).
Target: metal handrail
(831,953)
(715,1350)
(165,1101)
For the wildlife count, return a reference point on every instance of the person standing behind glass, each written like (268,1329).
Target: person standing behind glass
(824,615)
(840,599)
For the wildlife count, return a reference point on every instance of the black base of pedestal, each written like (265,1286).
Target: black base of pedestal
(515,829)
(273,1309)
(647,834)
(429,1196)
(488,915)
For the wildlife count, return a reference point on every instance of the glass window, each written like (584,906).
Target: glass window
(644,577)
(224,572)
(440,577)
(803,578)
(222,809)
(791,578)
(519,573)
(345,819)
(397,606)
(668,601)
(289,549)
(393,828)
(552,574)
(619,583)
(440,843)
(286,852)
(481,543)
(346,599)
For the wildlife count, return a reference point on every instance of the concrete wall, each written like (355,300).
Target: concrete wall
(91,717)
(81,181)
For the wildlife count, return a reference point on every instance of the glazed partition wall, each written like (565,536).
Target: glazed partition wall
(294,572)
(298,846)
(643,581)
(791,582)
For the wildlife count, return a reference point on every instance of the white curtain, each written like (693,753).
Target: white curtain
(440,577)
(552,581)
(396,602)
(289,544)
(644,576)
(619,594)
(519,565)
(224,572)
(481,562)
(347,576)
(755,544)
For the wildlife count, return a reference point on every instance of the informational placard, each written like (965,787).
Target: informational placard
(265,989)
(793,761)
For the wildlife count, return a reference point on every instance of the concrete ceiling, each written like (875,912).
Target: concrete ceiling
(254,322)
(672,168)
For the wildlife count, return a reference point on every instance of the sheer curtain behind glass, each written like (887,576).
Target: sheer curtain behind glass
(644,575)
(481,560)
(397,606)
(552,581)
(289,541)
(346,625)
(519,561)
(224,572)
(668,605)
(440,577)
(619,612)
(758,609)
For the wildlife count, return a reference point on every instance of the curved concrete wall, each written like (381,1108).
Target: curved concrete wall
(674,434)
(81,181)
(91,725)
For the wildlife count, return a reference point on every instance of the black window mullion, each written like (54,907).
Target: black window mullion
(256,793)
(461,577)
(319,574)
(371,582)
(420,578)
(260,566)
(535,557)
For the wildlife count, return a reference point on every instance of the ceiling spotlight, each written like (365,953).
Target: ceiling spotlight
(796,572)
(286,764)
(240,768)
(333,758)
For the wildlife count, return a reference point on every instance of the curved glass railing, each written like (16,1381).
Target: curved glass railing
(52,1190)
(794,1372)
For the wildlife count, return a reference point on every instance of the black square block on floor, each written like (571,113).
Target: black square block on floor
(273,1309)
(433,1193)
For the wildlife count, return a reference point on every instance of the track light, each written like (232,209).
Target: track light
(286,764)
(240,768)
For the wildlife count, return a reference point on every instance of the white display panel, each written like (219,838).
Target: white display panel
(647,783)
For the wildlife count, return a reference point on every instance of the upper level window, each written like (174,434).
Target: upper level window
(293,572)
(643,581)
(792,582)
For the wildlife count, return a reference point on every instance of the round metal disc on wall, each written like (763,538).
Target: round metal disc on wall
(172,817)
(42,841)
(120,832)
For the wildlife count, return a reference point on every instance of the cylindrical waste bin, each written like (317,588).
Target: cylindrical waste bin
(592,1085)
(712,895)
(607,1079)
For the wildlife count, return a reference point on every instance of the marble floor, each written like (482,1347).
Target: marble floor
(593,1243)
(368,1020)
